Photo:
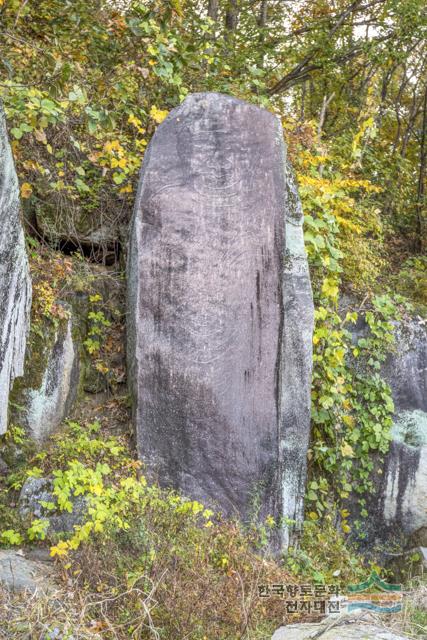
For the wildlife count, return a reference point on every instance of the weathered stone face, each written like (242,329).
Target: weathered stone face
(15,284)
(35,492)
(406,368)
(398,506)
(403,494)
(220,310)
(46,393)
(358,630)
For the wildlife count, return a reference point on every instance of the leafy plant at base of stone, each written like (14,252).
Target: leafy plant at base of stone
(153,558)
(116,77)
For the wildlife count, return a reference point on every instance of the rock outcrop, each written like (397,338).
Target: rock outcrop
(349,631)
(220,311)
(46,393)
(35,492)
(398,508)
(49,405)
(15,283)
(19,573)
(403,492)
(406,367)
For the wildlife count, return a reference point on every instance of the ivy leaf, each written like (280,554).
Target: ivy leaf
(157,114)
(81,186)
(347,450)
(17,133)
(26,190)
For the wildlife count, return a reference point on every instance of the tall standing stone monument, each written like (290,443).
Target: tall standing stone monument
(15,284)
(221,312)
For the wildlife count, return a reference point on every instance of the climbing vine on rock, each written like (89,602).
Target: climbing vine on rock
(352,406)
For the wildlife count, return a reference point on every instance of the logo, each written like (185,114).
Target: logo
(386,599)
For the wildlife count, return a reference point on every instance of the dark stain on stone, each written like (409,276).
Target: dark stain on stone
(207,371)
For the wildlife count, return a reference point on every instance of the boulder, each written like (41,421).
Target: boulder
(15,283)
(35,491)
(220,311)
(406,367)
(46,393)
(400,506)
(403,491)
(349,631)
(18,573)
(397,509)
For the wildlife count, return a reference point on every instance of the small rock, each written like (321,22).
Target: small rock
(48,390)
(39,554)
(345,631)
(37,490)
(18,573)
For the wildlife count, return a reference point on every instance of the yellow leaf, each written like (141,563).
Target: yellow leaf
(26,190)
(114,145)
(97,489)
(40,136)
(348,420)
(347,450)
(136,123)
(61,549)
(157,114)
(330,288)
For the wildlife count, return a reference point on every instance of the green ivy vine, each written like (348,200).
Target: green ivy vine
(352,405)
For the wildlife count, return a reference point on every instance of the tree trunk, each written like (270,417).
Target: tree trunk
(213,9)
(262,20)
(421,179)
(232,15)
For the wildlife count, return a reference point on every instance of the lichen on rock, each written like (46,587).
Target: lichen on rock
(47,392)
(15,283)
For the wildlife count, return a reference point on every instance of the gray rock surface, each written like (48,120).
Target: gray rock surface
(46,405)
(406,368)
(220,311)
(18,573)
(404,490)
(38,490)
(350,631)
(402,505)
(15,283)
(397,510)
